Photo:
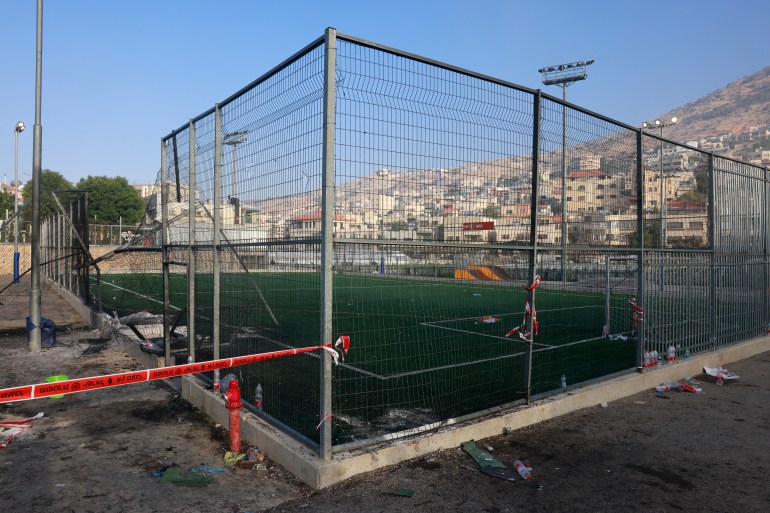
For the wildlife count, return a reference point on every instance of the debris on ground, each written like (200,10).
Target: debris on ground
(720,374)
(523,470)
(681,385)
(483,458)
(232,458)
(401,492)
(10,430)
(175,476)
(488,464)
(206,468)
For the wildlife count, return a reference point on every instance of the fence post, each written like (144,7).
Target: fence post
(164,253)
(641,328)
(217,236)
(191,187)
(84,236)
(765,284)
(68,270)
(529,327)
(327,236)
(712,213)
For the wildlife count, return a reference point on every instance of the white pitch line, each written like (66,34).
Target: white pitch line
(484,360)
(138,294)
(288,346)
(496,337)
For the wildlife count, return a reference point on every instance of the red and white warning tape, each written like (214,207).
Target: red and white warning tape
(72,386)
(528,310)
(637,315)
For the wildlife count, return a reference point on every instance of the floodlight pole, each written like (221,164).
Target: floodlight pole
(37,143)
(564,75)
(234,139)
(663,193)
(19,128)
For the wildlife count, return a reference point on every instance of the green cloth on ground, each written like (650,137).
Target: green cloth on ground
(174,475)
(483,458)
(402,492)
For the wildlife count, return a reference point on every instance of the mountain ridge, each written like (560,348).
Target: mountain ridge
(732,109)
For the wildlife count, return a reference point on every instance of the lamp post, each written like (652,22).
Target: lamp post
(234,139)
(663,193)
(564,75)
(19,128)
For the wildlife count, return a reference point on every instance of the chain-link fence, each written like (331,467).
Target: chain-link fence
(480,242)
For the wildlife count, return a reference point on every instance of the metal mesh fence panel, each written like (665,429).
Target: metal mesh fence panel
(426,160)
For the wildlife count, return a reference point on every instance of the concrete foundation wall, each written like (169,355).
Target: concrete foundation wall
(305,464)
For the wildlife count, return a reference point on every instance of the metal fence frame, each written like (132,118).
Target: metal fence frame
(726,253)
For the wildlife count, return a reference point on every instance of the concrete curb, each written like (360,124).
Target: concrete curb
(305,464)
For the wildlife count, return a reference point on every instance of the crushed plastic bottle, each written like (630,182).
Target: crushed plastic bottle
(667,386)
(563,381)
(258,397)
(224,383)
(522,470)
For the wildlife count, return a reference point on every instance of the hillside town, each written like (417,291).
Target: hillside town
(490,202)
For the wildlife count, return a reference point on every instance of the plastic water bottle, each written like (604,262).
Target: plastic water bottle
(522,470)
(667,386)
(658,358)
(671,353)
(563,381)
(687,353)
(646,360)
(258,397)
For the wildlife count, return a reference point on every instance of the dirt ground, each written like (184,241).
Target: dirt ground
(95,452)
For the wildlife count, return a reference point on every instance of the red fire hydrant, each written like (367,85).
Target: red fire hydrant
(234,404)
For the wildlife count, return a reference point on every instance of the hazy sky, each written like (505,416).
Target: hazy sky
(118,75)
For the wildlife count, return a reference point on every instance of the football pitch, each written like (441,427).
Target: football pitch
(429,348)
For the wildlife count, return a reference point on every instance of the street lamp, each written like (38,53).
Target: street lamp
(661,124)
(234,139)
(19,128)
(564,75)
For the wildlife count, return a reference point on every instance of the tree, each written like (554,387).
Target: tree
(110,199)
(6,203)
(399,226)
(651,236)
(690,196)
(50,181)
(492,211)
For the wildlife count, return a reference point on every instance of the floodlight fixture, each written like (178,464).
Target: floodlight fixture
(19,128)
(663,192)
(565,73)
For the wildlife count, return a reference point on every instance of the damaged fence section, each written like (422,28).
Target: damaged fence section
(414,206)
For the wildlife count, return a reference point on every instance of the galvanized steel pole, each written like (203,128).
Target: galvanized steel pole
(327,236)
(640,328)
(712,212)
(37,144)
(164,253)
(216,235)
(191,187)
(529,325)
(17,130)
